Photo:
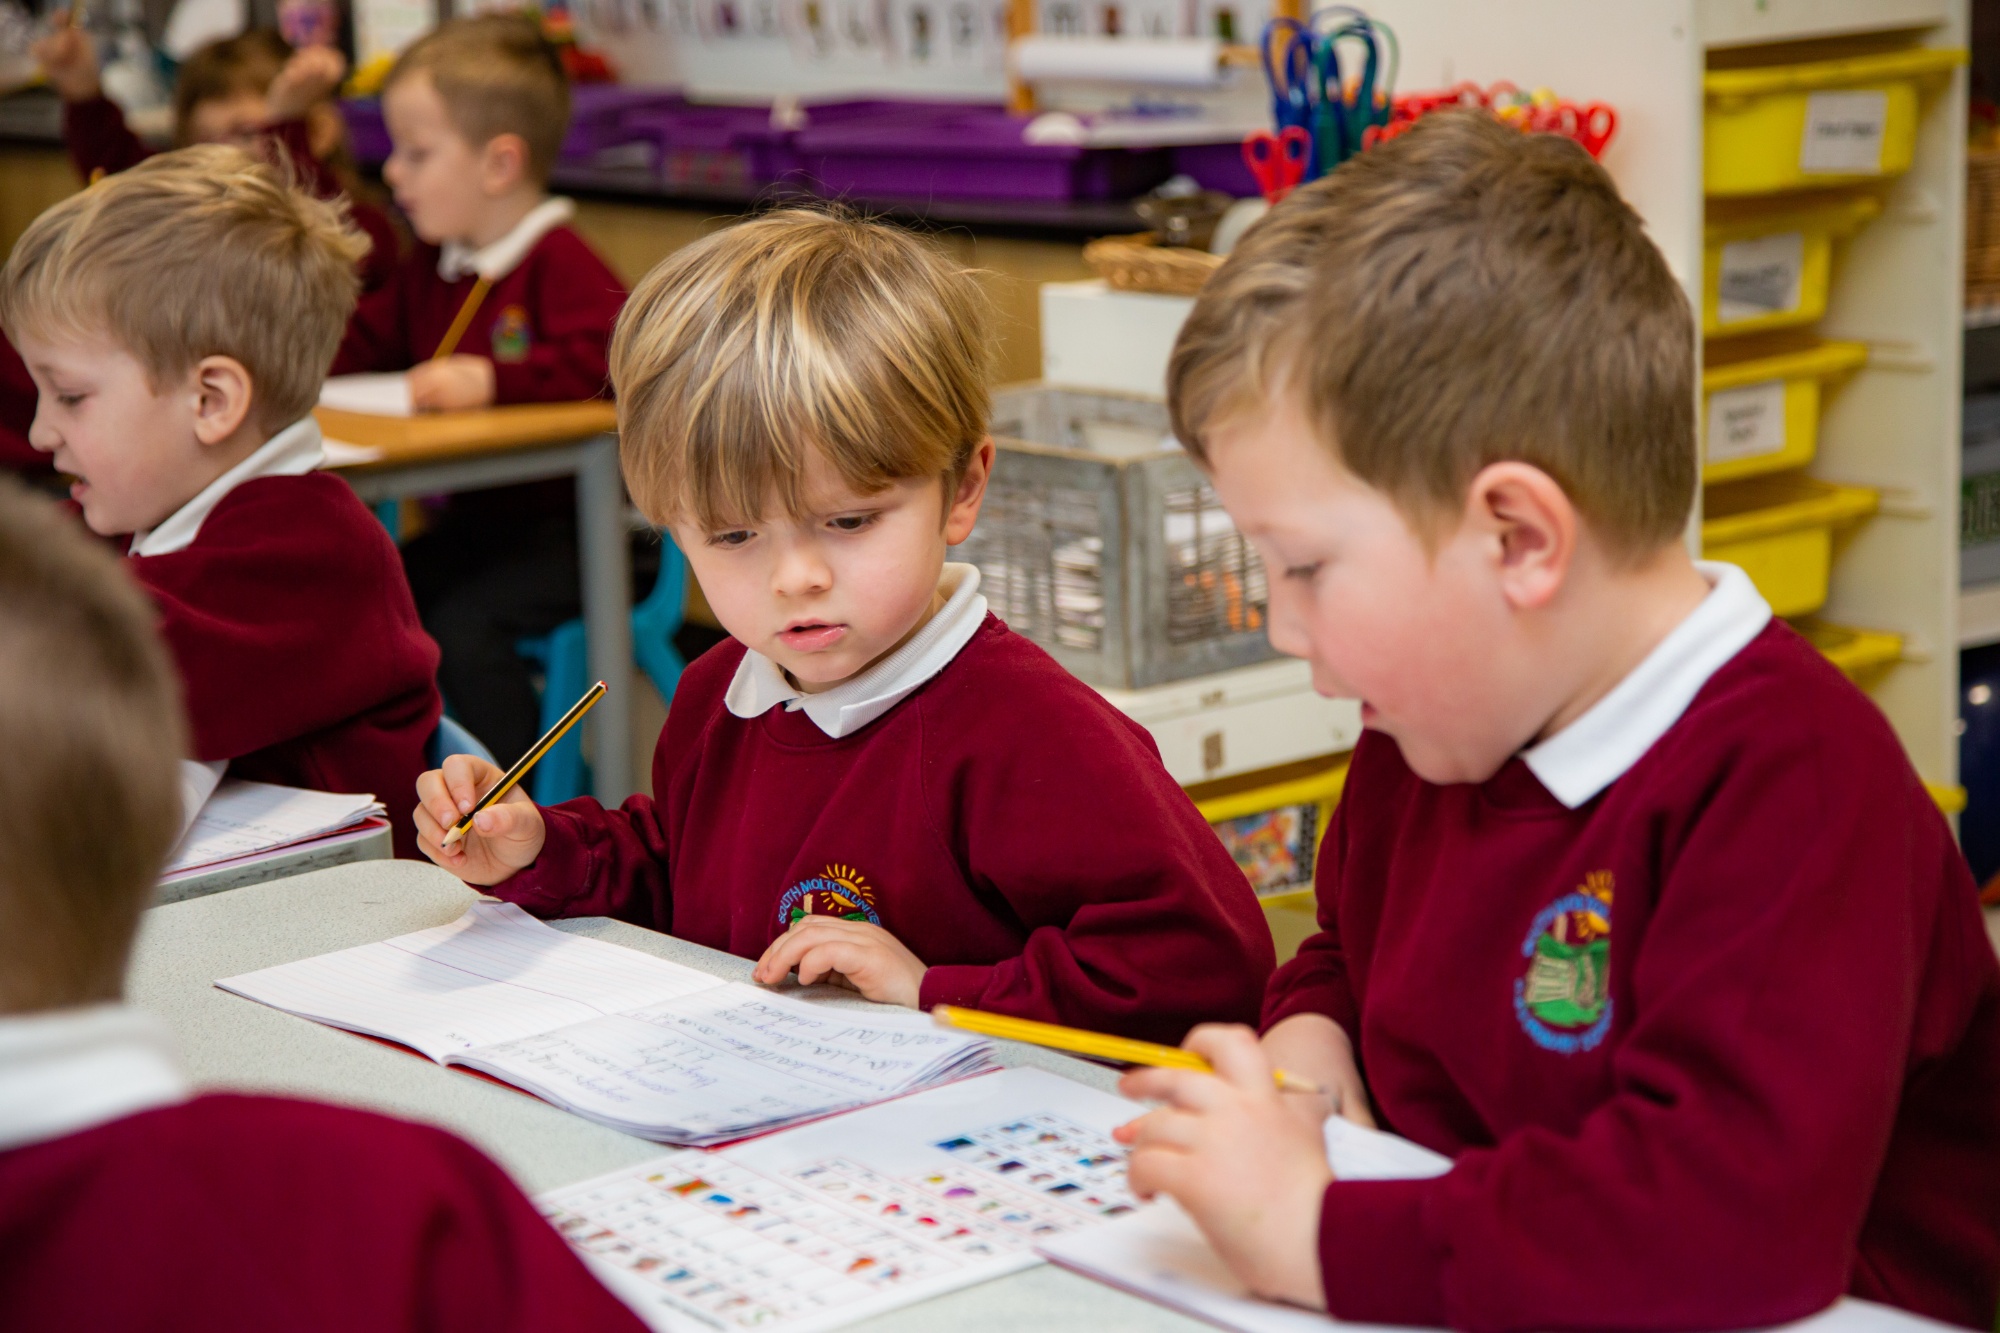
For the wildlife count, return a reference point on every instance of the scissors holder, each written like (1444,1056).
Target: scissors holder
(1102,542)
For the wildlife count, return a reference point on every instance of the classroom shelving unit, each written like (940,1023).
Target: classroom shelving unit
(1897,285)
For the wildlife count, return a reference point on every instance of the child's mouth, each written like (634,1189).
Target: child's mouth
(811,638)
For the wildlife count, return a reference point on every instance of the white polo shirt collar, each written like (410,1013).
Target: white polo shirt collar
(494,262)
(73,1069)
(292,452)
(760,684)
(1600,747)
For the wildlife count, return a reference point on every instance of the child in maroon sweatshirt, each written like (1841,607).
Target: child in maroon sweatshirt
(250,90)
(1634,906)
(126,1200)
(502,303)
(876,781)
(178,318)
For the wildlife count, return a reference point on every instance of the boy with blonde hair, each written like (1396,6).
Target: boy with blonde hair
(1633,906)
(178,319)
(224,1211)
(502,302)
(876,782)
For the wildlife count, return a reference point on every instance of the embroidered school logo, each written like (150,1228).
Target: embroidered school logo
(510,335)
(1563,999)
(836,891)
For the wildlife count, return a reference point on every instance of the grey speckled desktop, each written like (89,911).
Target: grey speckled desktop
(229,1042)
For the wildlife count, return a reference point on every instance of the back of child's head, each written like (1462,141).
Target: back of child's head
(90,723)
(204,251)
(231,67)
(1461,295)
(798,330)
(496,74)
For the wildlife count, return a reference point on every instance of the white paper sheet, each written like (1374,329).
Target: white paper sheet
(198,783)
(839,1220)
(376,395)
(644,1045)
(241,818)
(339,453)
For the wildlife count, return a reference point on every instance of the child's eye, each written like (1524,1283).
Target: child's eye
(729,540)
(851,522)
(1304,572)
(69,399)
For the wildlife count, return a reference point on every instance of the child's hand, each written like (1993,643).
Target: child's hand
(506,836)
(307,79)
(1249,1172)
(1316,1048)
(850,953)
(69,58)
(451,383)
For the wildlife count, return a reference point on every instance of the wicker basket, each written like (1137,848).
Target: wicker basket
(1140,264)
(1982,228)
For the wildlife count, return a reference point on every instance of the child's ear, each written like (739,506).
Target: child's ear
(1532,528)
(503,164)
(963,510)
(223,391)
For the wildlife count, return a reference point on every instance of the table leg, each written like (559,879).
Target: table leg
(605,551)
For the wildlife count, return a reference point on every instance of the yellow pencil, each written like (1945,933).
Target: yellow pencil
(462,320)
(513,776)
(1125,1050)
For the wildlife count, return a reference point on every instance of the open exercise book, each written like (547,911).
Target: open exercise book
(240,819)
(835,1221)
(646,1046)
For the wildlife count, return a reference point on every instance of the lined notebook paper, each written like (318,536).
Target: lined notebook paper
(835,1221)
(646,1046)
(244,818)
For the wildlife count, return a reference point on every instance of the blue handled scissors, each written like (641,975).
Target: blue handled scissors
(1346,111)
(1287,54)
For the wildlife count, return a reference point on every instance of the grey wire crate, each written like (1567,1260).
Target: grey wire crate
(1104,544)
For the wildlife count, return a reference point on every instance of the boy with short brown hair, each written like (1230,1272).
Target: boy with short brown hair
(1633,905)
(178,318)
(877,781)
(224,1211)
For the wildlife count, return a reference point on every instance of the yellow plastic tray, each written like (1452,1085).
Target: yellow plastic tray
(1769,268)
(1824,122)
(1761,413)
(1318,790)
(1779,529)
(1862,654)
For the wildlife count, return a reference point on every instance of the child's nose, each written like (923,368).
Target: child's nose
(42,436)
(801,571)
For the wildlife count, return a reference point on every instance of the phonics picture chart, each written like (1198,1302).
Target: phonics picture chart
(835,1221)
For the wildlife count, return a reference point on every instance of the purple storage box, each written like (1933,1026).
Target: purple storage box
(700,145)
(967,152)
(367,135)
(600,114)
(1217,166)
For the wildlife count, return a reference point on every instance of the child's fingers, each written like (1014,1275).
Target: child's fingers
(466,777)
(1235,1052)
(779,958)
(1188,1089)
(434,798)
(1154,1170)
(507,822)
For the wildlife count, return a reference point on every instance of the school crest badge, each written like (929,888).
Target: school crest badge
(1563,996)
(838,890)
(511,337)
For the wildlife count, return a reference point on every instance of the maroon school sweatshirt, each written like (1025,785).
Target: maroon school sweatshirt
(545,326)
(17,414)
(252,1213)
(1011,828)
(1708,1051)
(301,657)
(99,140)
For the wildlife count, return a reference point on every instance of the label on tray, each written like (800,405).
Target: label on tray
(1844,133)
(1746,423)
(1761,276)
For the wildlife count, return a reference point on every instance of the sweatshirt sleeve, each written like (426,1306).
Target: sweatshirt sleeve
(378,332)
(98,138)
(1723,1180)
(1138,921)
(576,300)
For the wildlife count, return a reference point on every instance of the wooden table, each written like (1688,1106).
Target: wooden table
(464,451)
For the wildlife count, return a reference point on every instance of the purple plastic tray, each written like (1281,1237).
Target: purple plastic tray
(962,152)
(598,120)
(1217,166)
(367,136)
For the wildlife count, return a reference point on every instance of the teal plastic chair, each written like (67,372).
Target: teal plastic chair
(451,737)
(563,657)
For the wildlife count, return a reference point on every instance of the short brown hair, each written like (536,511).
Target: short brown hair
(800,329)
(90,722)
(245,63)
(1461,295)
(204,251)
(496,74)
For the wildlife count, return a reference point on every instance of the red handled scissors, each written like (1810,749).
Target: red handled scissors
(1278,161)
